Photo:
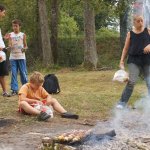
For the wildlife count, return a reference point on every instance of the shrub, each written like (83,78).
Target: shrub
(67,26)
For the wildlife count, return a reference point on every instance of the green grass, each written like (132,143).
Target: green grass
(90,94)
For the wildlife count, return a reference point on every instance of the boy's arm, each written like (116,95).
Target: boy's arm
(22,97)
(24,42)
(10,42)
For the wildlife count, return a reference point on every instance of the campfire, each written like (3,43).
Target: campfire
(74,140)
(132,132)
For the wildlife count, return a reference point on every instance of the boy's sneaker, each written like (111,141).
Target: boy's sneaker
(5,94)
(69,115)
(13,93)
(43,116)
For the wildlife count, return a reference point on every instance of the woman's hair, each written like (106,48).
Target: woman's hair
(2,8)
(135,17)
(17,21)
(36,78)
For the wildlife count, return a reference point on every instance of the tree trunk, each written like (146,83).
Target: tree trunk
(90,52)
(38,52)
(124,25)
(54,29)
(44,32)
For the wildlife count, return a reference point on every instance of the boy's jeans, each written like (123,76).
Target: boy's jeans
(134,72)
(16,65)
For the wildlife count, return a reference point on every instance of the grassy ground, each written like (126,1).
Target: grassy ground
(89,94)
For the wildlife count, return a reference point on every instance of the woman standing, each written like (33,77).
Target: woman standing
(137,47)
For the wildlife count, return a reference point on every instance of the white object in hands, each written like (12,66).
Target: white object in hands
(44,108)
(48,110)
(2,56)
(121,76)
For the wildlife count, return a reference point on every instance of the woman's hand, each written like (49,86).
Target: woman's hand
(1,58)
(121,65)
(1,48)
(147,49)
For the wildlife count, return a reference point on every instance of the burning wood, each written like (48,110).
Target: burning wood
(73,139)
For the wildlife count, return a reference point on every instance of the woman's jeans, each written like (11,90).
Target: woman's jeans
(134,71)
(15,66)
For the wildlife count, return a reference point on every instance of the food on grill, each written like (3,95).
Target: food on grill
(72,137)
(72,140)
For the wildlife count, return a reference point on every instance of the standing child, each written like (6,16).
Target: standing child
(3,63)
(137,47)
(18,44)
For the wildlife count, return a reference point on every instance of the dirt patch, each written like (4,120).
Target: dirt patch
(6,122)
(22,136)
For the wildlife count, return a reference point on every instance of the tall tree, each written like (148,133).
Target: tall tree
(124,11)
(123,16)
(54,29)
(44,32)
(90,52)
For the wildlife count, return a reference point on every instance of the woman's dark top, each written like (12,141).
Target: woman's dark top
(136,49)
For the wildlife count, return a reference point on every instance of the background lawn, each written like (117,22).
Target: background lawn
(89,94)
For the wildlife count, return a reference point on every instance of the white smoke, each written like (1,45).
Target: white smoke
(142,7)
(146,12)
(129,124)
(3,147)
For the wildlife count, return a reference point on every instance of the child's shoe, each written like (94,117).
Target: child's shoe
(69,115)
(13,93)
(43,116)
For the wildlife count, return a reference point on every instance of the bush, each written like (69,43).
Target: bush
(105,32)
(70,52)
(67,26)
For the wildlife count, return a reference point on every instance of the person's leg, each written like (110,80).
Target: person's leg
(3,73)
(28,108)
(56,106)
(14,72)
(134,72)
(3,83)
(23,71)
(146,72)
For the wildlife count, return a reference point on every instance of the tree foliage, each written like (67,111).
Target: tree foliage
(70,19)
(67,26)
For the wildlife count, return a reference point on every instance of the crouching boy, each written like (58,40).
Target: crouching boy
(33,93)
